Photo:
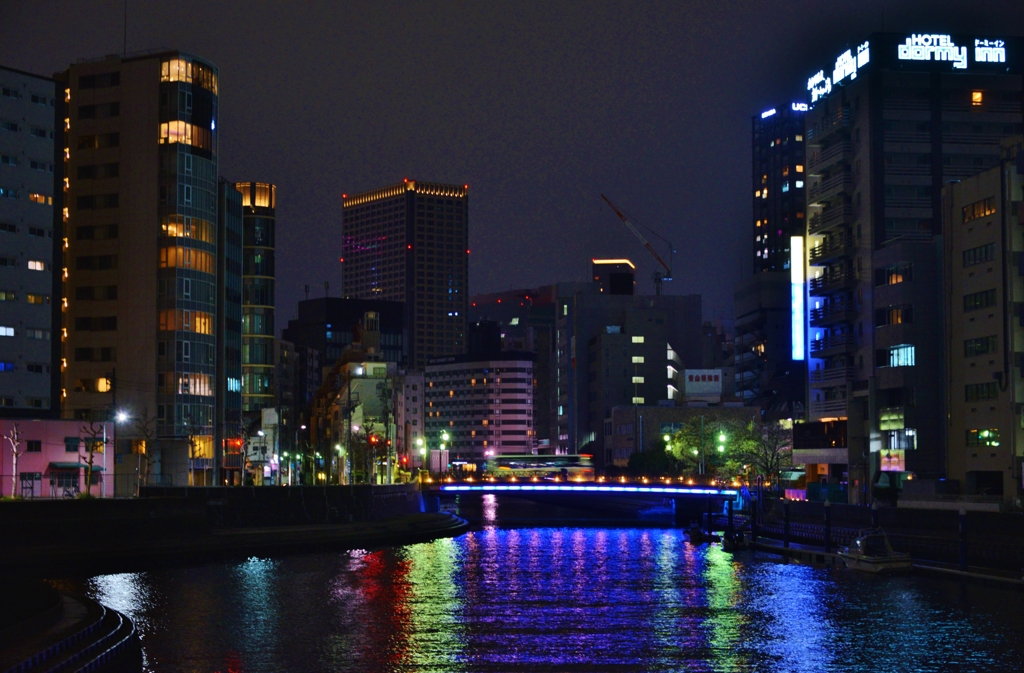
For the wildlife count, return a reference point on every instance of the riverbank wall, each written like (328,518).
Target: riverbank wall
(194,524)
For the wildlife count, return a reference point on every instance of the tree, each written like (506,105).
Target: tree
(146,426)
(14,438)
(654,463)
(96,440)
(767,448)
(698,441)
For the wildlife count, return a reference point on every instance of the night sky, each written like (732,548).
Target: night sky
(540,107)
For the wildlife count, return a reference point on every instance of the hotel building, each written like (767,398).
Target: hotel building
(409,242)
(890,122)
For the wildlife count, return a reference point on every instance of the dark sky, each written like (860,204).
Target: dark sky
(538,106)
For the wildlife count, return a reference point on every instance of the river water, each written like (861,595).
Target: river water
(580,598)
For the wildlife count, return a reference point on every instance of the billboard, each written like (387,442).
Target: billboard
(702,382)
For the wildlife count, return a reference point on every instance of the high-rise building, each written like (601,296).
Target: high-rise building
(258,364)
(139,140)
(982,218)
(229,321)
(769,371)
(895,118)
(30,247)
(409,242)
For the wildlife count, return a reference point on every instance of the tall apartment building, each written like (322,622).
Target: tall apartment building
(984,217)
(893,119)
(409,242)
(141,248)
(258,363)
(769,371)
(30,242)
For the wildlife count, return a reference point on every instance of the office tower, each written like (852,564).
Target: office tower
(258,224)
(30,242)
(140,146)
(895,118)
(410,242)
(769,373)
(329,324)
(982,218)
(618,349)
(615,276)
(229,320)
(480,405)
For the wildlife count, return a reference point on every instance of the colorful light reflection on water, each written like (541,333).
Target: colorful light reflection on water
(559,599)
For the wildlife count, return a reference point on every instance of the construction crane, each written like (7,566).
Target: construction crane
(658,276)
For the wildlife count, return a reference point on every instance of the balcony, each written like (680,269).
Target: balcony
(831,376)
(830,217)
(826,126)
(831,249)
(822,159)
(829,187)
(833,312)
(833,345)
(832,281)
(828,408)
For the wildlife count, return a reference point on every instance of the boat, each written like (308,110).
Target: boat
(735,542)
(698,536)
(871,552)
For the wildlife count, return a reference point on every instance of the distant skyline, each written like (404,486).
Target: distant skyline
(540,108)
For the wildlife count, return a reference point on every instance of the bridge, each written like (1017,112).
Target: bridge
(702,492)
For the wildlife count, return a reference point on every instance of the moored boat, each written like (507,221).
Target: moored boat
(871,552)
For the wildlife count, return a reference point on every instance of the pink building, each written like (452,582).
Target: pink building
(53,458)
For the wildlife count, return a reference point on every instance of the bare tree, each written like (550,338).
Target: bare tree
(146,426)
(96,435)
(14,438)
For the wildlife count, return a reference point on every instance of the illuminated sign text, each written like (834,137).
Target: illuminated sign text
(990,51)
(932,47)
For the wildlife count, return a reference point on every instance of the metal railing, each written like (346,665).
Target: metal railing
(830,310)
(833,341)
(831,374)
(829,246)
(829,124)
(830,186)
(830,217)
(833,279)
(828,407)
(819,160)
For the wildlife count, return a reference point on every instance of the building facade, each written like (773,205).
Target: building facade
(983,217)
(139,141)
(894,119)
(30,244)
(477,408)
(259,385)
(228,429)
(410,243)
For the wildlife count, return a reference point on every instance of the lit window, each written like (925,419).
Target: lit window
(898,356)
(983,437)
(638,400)
(36,298)
(187,134)
(785,187)
(40,198)
(36,265)
(638,359)
(6,331)
(799,168)
(799,138)
(976,98)
(638,339)
(638,379)
(799,184)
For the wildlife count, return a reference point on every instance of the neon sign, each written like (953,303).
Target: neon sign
(932,47)
(799,107)
(819,86)
(796,281)
(990,51)
(767,113)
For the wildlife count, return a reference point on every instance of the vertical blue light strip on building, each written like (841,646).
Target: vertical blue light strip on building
(796,278)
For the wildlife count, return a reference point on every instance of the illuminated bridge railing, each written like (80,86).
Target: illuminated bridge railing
(593,488)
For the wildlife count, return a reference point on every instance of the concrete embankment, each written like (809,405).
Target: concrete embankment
(195,525)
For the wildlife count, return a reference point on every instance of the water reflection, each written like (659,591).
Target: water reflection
(556,599)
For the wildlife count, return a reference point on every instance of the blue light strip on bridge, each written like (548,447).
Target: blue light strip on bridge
(660,490)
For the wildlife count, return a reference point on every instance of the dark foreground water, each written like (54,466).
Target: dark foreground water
(559,599)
